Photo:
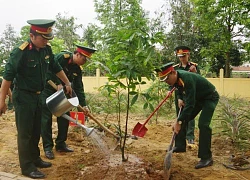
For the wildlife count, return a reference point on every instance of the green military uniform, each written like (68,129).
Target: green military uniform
(74,74)
(29,67)
(200,95)
(191,123)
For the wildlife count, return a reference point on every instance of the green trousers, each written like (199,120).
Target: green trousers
(206,107)
(28,122)
(46,127)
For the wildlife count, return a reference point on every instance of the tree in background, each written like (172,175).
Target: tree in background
(8,40)
(179,15)
(25,33)
(221,23)
(66,29)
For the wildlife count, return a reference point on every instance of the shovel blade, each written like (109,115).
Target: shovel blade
(167,165)
(139,130)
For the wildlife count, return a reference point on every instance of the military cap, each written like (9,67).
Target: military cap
(165,70)
(86,51)
(182,50)
(43,27)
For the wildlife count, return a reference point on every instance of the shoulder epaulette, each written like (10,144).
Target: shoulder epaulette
(66,56)
(181,82)
(24,45)
(48,44)
(194,63)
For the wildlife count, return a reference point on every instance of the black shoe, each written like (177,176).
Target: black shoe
(204,163)
(64,149)
(42,164)
(190,141)
(35,175)
(178,150)
(49,154)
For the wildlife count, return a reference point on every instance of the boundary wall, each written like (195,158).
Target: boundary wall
(225,86)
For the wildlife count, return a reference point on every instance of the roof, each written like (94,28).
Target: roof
(240,69)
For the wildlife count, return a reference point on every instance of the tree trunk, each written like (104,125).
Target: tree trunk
(227,66)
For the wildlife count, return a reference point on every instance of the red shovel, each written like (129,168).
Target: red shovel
(140,129)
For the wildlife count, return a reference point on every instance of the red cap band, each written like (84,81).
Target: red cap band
(180,51)
(85,53)
(41,30)
(166,71)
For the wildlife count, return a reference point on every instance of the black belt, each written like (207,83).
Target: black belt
(33,92)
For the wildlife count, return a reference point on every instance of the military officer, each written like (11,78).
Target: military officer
(28,64)
(183,53)
(71,64)
(200,96)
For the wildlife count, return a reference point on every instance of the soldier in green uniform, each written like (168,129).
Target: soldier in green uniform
(71,64)
(200,97)
(28,64)
(183,53)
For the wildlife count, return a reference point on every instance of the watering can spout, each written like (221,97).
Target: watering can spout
(88,131)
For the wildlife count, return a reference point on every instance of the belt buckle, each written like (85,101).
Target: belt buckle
(38,92)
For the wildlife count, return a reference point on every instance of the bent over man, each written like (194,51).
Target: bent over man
(200,96)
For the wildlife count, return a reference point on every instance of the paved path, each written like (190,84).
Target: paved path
(9,176)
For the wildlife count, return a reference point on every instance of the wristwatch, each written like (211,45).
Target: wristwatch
(179,122)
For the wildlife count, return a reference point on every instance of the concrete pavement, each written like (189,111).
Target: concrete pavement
(9,176)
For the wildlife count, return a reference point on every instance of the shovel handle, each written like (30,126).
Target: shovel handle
(102,126)
(174,134)
(159,105)
(89,115)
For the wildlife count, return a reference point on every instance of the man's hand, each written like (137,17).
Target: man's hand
(180,103)
(59,87)
(192,69)
(3,107)
(176,127)
(86,110)
(68,89)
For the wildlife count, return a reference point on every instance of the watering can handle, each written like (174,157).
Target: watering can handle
(52,84)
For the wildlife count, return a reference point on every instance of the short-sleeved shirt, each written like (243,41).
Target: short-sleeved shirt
(73,72)
(28,66)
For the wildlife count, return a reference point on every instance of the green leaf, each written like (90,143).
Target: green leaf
(134,99)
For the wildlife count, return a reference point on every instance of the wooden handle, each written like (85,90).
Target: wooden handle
(102,126)
(89,115)
(52,84)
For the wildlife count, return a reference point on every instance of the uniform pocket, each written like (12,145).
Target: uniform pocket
(32,63)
